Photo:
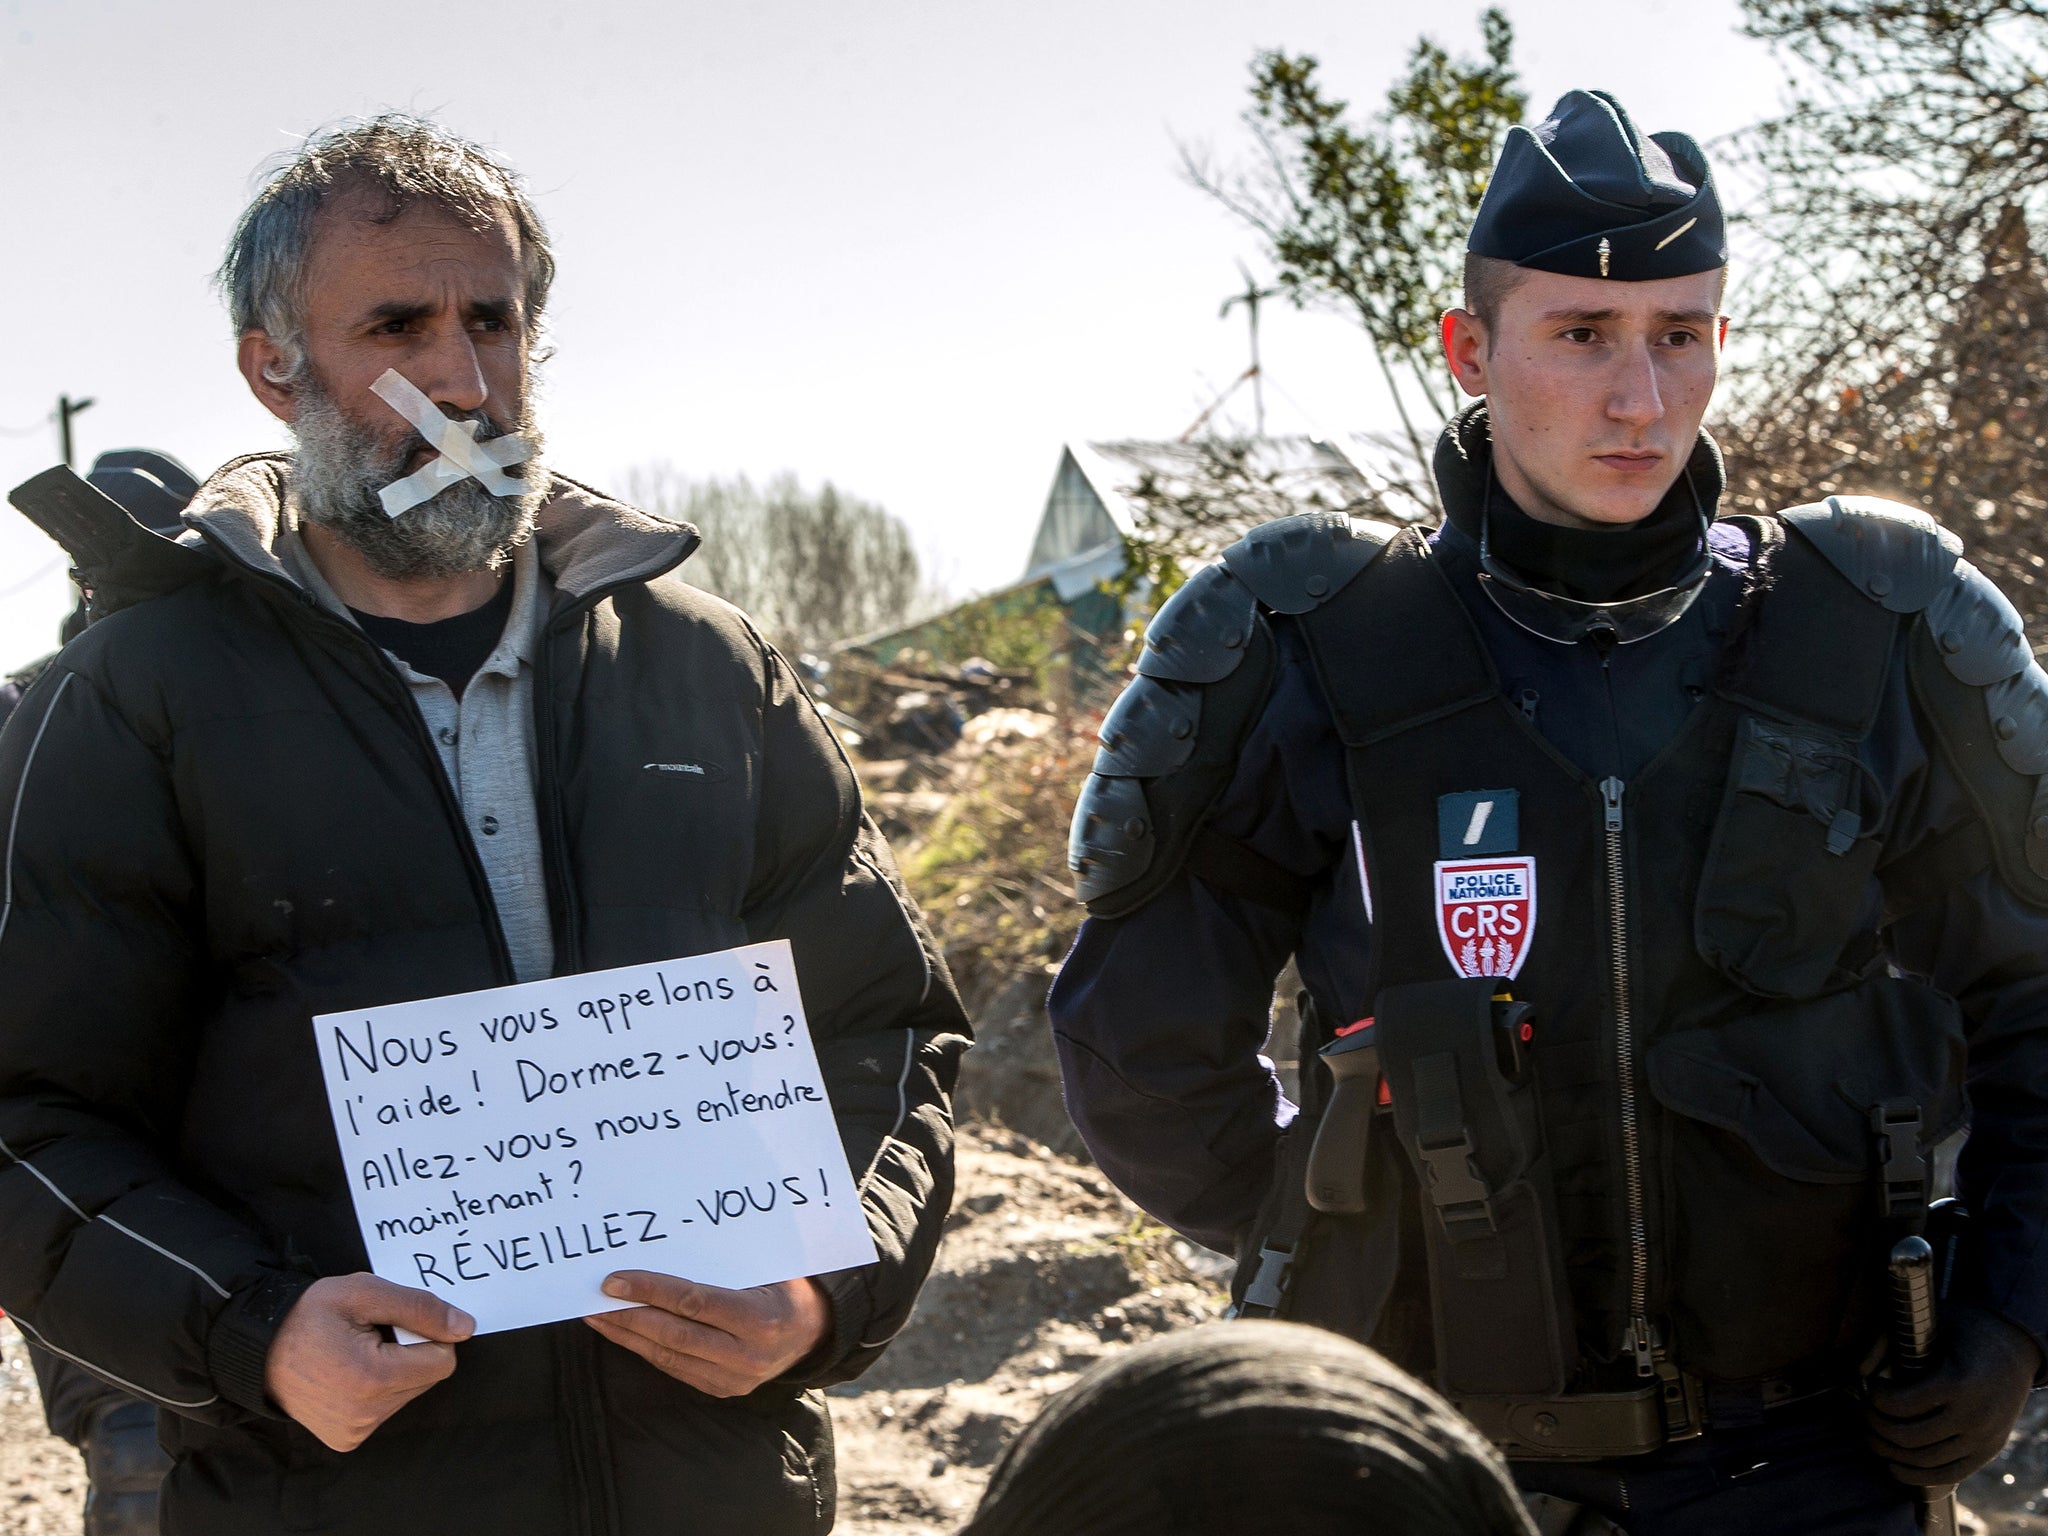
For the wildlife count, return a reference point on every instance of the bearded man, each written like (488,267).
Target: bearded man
(363,735)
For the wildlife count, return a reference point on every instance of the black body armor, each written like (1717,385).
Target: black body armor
(1733,1102)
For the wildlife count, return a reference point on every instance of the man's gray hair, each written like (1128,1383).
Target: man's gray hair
(405,159)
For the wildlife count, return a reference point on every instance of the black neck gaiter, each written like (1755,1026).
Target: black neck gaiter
(1589,565)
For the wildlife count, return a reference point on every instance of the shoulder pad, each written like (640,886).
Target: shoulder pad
(1995,726)
(1169,742)
(1891,552)
(1982,641)
(1111,842)
(1293,564)
(1199,634)
(2018,708)
(1978,633)
(1912,565)
(1149,730)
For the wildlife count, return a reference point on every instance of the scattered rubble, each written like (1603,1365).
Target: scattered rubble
(915,705)
(980,830)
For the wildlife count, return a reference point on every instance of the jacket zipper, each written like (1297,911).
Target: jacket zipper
(554,841)
(589,1456)
(399,697)
(588,1444)
(1639,1338)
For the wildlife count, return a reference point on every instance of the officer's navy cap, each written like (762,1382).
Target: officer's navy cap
(1585,194)
(152,487)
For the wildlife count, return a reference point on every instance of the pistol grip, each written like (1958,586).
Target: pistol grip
(1336,1163)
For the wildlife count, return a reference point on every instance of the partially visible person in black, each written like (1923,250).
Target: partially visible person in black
(1751,811)
(152,488)
(114,1432)
(1274,1428)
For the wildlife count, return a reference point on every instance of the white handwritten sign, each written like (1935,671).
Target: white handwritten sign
(508,1149)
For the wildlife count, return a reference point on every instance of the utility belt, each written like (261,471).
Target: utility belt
(1602,1426)
(1443,1072)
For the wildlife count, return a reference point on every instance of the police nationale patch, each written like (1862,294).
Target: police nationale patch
(1486,913)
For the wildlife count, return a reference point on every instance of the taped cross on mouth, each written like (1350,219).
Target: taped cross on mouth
(461,455)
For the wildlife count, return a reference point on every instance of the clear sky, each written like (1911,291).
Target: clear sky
(910,246)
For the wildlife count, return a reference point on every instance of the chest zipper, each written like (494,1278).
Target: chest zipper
(1640,1340)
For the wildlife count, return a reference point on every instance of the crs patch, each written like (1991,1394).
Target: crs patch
(1486,913)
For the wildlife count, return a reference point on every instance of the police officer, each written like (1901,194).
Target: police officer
(114,1432)
(1659,883)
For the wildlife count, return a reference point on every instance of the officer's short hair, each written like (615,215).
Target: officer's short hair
(405,160)
(1488,282)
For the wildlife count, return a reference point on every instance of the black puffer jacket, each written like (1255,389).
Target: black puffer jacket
(224,816)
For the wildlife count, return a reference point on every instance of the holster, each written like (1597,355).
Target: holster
(1469,1124)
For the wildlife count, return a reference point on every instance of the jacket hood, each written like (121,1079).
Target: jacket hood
(586,541)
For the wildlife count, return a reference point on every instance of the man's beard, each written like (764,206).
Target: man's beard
(341,465)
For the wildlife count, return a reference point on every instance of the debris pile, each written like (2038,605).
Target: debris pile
(915,706)
(971,771)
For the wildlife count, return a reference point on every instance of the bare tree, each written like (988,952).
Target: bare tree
(1901,341)
(809,567)
(1371,219)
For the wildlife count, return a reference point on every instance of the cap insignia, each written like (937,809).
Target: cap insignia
(1606,250)
(1688,224)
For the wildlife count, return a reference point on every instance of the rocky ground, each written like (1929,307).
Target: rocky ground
(1045,1269)
(42,1483)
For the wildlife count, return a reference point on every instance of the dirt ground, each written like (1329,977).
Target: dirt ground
(42,1482)
(1043,1271)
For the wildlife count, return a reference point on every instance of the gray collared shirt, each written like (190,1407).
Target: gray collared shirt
(486,743)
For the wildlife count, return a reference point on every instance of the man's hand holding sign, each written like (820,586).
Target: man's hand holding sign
(333,1369)
(725,1343)
(649,1147)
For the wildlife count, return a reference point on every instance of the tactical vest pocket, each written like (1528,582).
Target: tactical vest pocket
(1465,1112)
(1775,1170)
(1788,872)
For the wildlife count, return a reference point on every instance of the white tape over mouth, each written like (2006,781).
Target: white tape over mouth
(462,456)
